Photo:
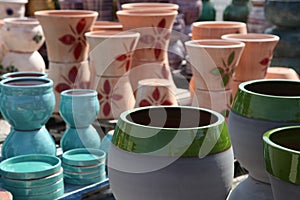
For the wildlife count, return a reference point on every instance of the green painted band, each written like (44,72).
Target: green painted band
(269,99)
(281,160)
(172,142)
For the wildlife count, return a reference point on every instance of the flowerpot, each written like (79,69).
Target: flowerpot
(215,29)
(27,104)
(79,108)
(281,146)
(238,10)
(12,8)
(155,92)
(155,28)
(23,37)
(261,47)
(160,146)
(282,73)
(213,62)
(121,2)
(107,25)
(115,96)
(275,12)
(256,21)
(258,106)
(150,5)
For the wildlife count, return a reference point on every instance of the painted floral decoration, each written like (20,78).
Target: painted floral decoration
(38,37)
(158,38)
(69,80)
(76,40)
(107,97)
(265,62)
(126,58)
(155,99)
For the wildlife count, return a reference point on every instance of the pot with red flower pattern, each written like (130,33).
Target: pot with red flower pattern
(79,108)
(66,46)
(259,105)
(170,152)
(256,57)
(150,59)
(155,92)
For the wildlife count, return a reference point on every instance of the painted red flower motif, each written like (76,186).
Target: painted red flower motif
(158,38)
(155,99)
(105,95)
(126,57)
(266,61)
(69,81)
(77,40)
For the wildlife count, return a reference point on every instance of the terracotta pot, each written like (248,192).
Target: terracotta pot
(12,8)
(149,5)
(213,62)
(259,105)
(155,28)
(281,73)
(215,29)
(180,158)
(155,92)
(107,25)
(281,147)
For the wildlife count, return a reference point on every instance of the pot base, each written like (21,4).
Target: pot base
(250,189)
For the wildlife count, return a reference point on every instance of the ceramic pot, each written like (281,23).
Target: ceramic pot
(281,73)
(257,108)
(256,21)
(24,74)
(27,104)
(23,37)
(79,108)
(150,5)
(281,147)
(150,59)
(208,12)
(215,29)
(12,8)
(160,146)
(107,26)
(238,10)
(155,92)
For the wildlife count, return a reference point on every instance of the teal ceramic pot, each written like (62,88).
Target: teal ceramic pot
(24,74)
(260,105)
(283,13)
(27,103)
(281,154)
(238,10)
(79,108)
(170,152)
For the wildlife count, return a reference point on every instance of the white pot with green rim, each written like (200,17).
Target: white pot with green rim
(170,152)
(281,155)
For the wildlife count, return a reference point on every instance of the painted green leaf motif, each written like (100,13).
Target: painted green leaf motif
(217,71)
(225,79)
(224,64)
(230,59)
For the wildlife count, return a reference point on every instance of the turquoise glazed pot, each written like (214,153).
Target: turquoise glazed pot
(24,74)
(281,153)
(260,105)
(79,108)
(170,152)
(27,104)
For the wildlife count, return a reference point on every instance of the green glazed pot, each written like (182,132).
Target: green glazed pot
(281,154)
(171,131)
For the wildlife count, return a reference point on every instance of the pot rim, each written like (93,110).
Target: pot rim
(265,106)
(112,34)
(215,43)
(146,13)
(21,21)
(218,24)
(77,93)
(24,74)
(65,13)
(45,82)
(251,37)
(14,1)
(150,5)
(286,158)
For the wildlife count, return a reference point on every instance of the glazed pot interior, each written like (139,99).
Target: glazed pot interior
(172,117)
(288,138)
(26,82)
(16,75)
(275,88)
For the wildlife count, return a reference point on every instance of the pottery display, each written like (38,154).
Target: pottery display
(237,10)
(23,37)
(155,92)
(67,48)
(79,108)
(12,8)
(160,146)
(259,105)
(281,148)
(256,21)
(24,74)
(150,59)
(208,12)
(261,48)
(27,104)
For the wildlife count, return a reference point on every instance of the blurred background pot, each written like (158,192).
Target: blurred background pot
(159,146)
(12,8)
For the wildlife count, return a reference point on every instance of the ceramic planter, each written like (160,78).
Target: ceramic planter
(155,28)
(159,146)
(281,73)
(150,5)
(79,108)
(215,29)
(107,25)
(24,74)
(27,104)
(155,92)
(12,8)
(257,108)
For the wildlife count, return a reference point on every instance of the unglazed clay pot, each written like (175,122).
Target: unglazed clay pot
(259,105)
(107,25)
(157,152)
(281,150)
(149,5)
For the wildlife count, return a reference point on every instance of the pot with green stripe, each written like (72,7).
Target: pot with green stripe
(170,152)
(260,105)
